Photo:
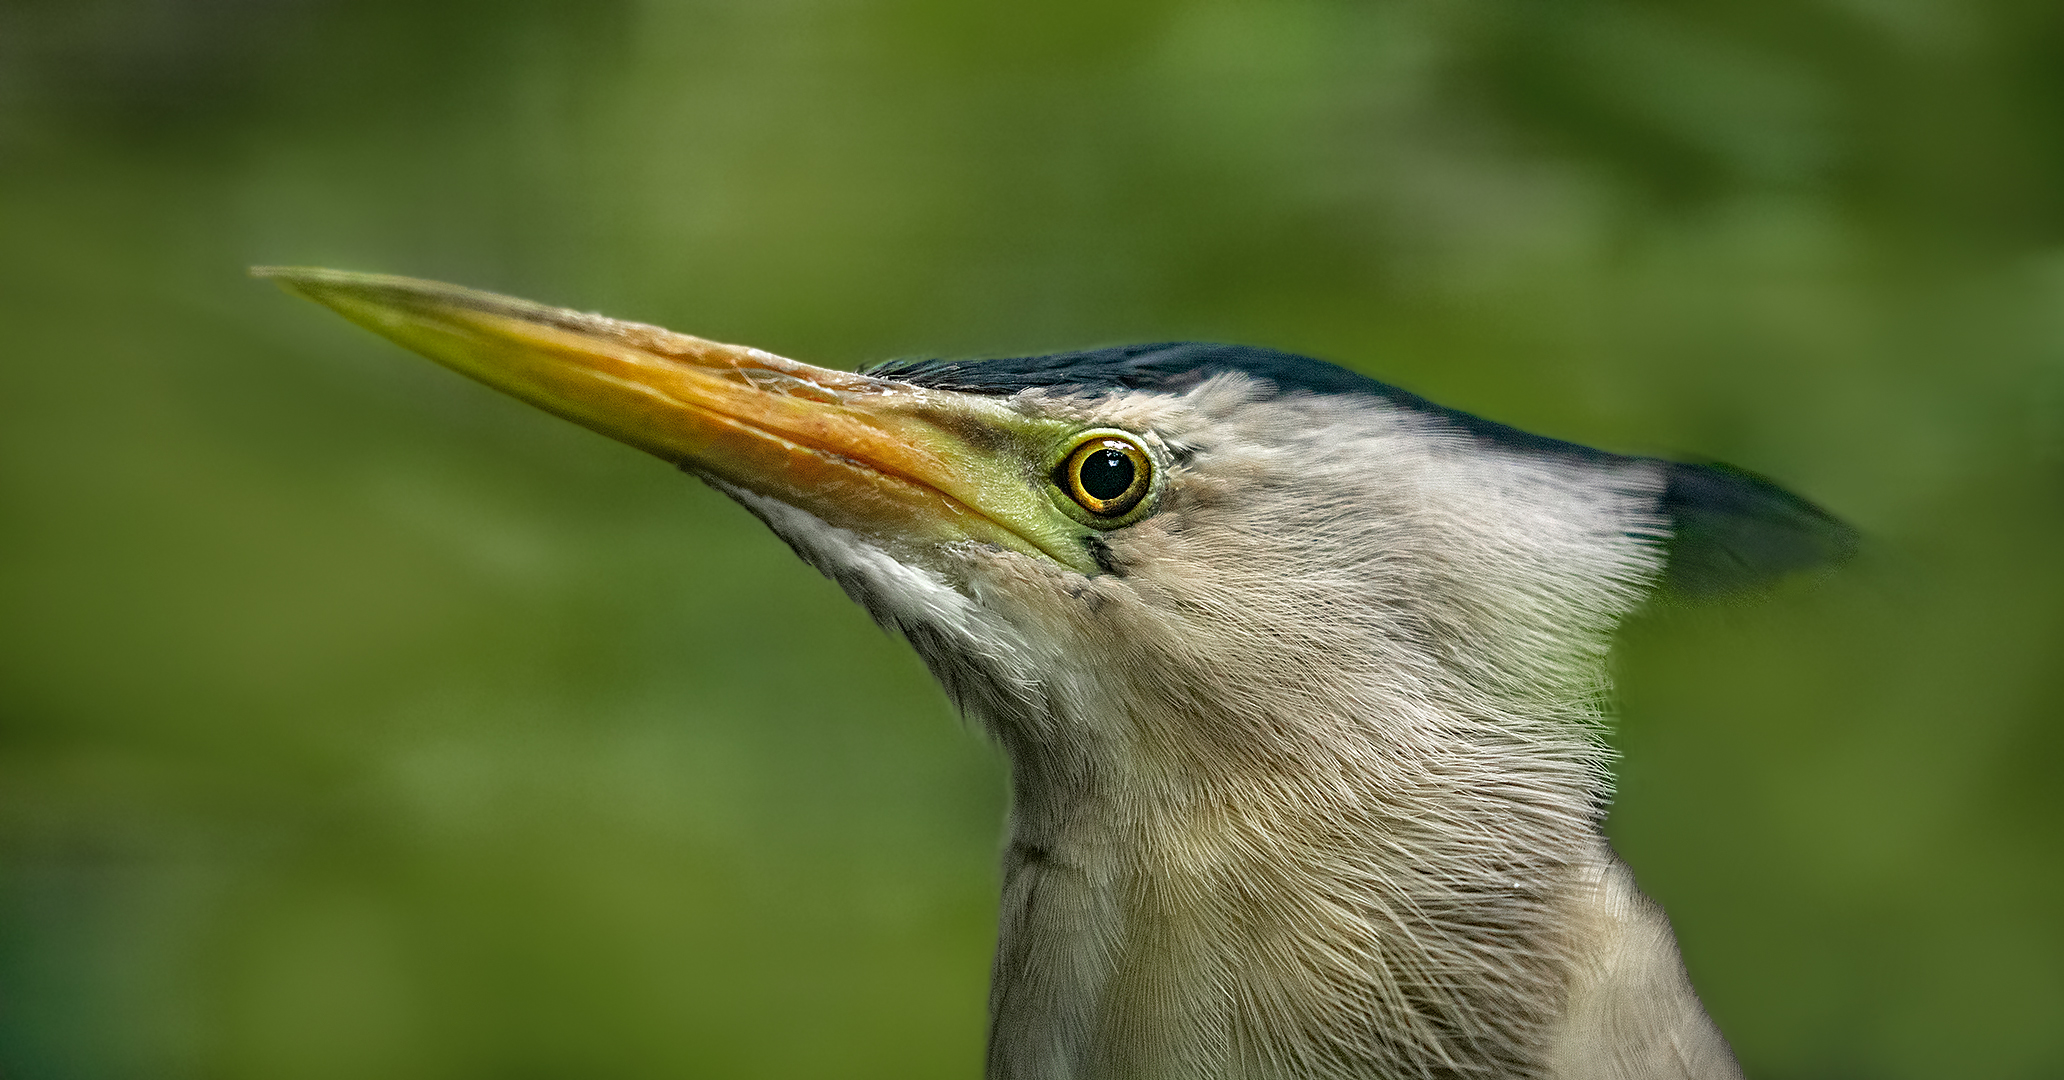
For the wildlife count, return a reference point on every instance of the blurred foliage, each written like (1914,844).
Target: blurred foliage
(357,722)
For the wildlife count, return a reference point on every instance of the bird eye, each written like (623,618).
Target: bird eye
(1106,476)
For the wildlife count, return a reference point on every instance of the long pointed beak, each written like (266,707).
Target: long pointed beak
(898,463)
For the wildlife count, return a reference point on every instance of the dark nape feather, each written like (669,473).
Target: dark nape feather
(1167,365)
(1733,530)
(1179,365)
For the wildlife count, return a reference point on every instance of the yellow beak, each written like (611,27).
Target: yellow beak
(903,465)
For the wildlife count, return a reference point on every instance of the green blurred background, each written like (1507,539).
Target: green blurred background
(356,721)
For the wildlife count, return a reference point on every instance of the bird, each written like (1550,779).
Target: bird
(1301,677)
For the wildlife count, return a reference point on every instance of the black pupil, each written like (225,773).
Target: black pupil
(1105,474)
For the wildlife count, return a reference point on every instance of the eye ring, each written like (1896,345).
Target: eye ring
(1107,475)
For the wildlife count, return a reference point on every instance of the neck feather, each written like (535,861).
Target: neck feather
(1401,911)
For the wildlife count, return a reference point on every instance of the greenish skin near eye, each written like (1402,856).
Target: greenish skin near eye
(1106,475)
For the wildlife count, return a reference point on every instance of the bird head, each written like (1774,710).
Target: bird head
(1178,562)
